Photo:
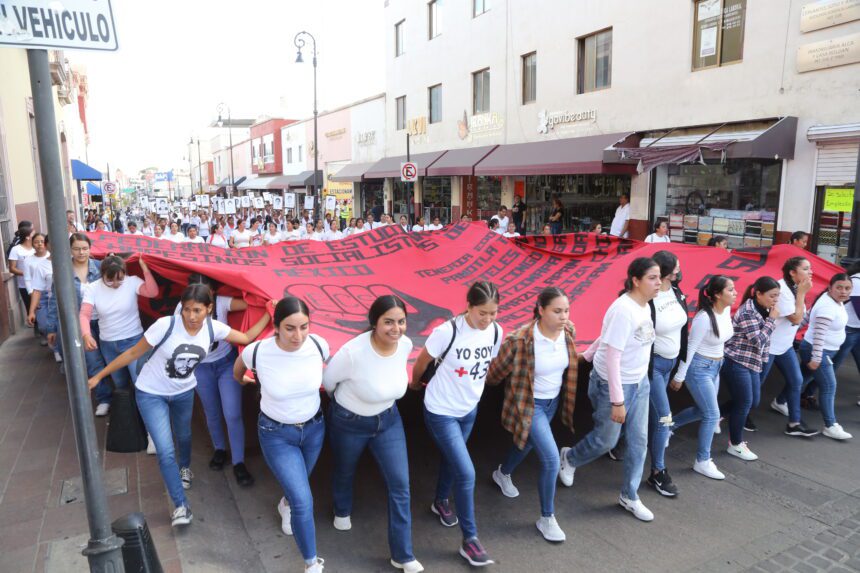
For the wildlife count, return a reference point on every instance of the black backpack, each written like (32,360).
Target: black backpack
(257,347)
(149,353)
(434,365)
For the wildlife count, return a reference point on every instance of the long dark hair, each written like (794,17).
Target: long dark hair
(713,241)
(833,280)
(791,264)
(382,305)
(545,297)
(24,230)
(288,306)
(715,285)
(667,261)
(761,285)
(482,292)
(200,293)
(637,270)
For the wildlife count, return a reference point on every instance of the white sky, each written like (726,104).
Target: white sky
(178,59)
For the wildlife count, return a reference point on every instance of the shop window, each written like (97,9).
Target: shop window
(434,98)
(585,199)
(269,149)
(595,62)
(529,78)
(400,103)
(398,38)
(372,194)
(436,198)
(432,19)
(401,197)
(489,197)
(737,199)
(718,32)
(479,7)
(481,91)
(299,159)
(289,155)
(833,213)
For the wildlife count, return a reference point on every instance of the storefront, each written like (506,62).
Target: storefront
(403,197)
(454,172)
(436,199)
(587,199)
(835,183)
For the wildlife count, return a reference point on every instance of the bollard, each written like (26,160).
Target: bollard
(138,551)
(126,432)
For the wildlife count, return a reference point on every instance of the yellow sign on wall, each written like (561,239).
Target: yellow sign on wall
(839,200)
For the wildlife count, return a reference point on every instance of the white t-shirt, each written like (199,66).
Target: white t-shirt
(655,238)
(503,222)
(40,274)
(222,311)
(317,236)
(170,369)
(458,383)
(826,307)
(510,235)
(119,317)
(417,228)
(853,320)
(219,241)
(176,237)
(332,235)
(782,339)
(364,382)
(434,227)
(702,340)
(670,319)
(289,381)
(203,229)
(293,235)
(197,239)
(626,327)
(358,230)
(622,215)
(551,360)
(147,230)
(20,253)
(242,238)
(270,239)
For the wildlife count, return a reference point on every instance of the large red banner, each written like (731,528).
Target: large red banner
(432,271)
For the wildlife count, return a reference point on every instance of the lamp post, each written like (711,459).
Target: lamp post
(199,168)
(299,41)
(221,107)
(190,166)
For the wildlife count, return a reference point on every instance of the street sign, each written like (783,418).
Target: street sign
(109,187)
(51,25)
(408,171)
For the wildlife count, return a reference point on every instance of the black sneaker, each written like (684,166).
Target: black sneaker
(217,461)
(662,482)
(800,429)
(243,476)
(749,425)
(473,552)
(615,455)
(443,509)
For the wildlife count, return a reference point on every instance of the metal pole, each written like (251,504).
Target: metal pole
(103,550)
(230,135)
(199,168)
(854,236)
(320,212)
(408,187)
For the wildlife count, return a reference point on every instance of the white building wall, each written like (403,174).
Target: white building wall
(367,122)
(293,136)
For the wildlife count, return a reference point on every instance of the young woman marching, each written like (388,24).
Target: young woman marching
(796,282)
(710,330)
(669,315)
(462,349)
(289,369)
(618,387)
(114,299)
(540,360)
(746,353)
(165,387)
(18,254)
(826,333)
(364,379)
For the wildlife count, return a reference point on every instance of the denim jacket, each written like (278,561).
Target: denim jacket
(93,274)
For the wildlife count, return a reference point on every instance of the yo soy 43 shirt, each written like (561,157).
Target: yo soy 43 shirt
(457,386)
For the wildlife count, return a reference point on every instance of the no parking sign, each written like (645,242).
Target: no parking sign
(408,171)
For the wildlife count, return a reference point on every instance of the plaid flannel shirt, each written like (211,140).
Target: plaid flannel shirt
(750,344)
(516,363)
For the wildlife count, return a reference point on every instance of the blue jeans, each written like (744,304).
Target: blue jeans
(660,413)
(825,375)
(542,440)
(221,397)
(110,350)
(850,346)
(789,366)
(605,433)
(159,413)
(95,363)
(703,382)
(292,451)
(456,469)
(745,388)
(350,435)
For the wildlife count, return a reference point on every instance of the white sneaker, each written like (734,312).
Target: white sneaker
(550,530)
(565,470)
(150,446)
(58,358)
(342,523)
(181,516)
(505,483)
(316,566)
(777,407)
(717,429)
(708,469)
(410,566)
(636,507)
(286,515)
(102,410)
(185,475)
(742,451)
(836,432)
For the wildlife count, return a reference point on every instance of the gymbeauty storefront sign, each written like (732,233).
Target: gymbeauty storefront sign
(431,272)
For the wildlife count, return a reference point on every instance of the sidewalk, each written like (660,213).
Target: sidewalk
(797,509)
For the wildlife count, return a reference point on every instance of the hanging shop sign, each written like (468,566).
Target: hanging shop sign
(829,53)
(827,13)
(548,120)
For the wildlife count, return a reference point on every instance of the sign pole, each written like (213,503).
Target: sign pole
(103,550)
(854,235)
(410,188)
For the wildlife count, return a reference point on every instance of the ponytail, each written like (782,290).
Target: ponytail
(707,294)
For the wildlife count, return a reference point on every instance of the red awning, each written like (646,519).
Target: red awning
(390,166)
(578,155)
(460,161)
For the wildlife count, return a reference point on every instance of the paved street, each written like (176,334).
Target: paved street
(797,509)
